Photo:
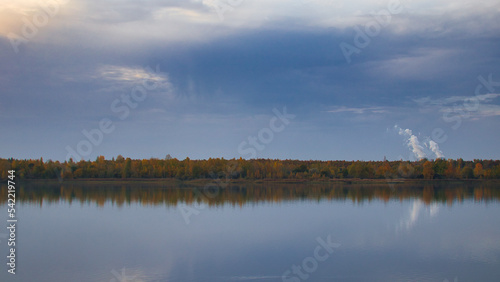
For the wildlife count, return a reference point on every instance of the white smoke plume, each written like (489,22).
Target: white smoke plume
(412,142)
(435,149)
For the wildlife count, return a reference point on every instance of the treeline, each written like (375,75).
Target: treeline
(216,168)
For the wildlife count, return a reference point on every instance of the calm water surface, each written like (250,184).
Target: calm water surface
(152,232)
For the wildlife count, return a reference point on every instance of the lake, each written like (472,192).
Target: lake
(149,231)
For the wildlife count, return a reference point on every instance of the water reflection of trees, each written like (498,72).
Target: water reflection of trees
(244,194)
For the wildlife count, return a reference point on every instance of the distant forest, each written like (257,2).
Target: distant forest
(216,168)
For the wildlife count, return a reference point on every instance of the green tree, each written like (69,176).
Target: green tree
(467,172)
(127,168)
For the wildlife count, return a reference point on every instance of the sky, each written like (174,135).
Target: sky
(296,79)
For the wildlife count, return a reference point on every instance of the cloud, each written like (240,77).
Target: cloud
(372,110)
(474,107)
(420,63)
(415,146)
(487,98)
(129,74)
(412,142)
(17,17)
(197,20)
(255,277)
(487,111)
(435,149)
(118,76)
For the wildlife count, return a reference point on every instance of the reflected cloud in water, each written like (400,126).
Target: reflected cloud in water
(416,209)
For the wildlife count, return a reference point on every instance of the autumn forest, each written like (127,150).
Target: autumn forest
(254,169)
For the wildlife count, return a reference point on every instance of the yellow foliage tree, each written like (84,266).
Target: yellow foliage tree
(478,170)
(428,171)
